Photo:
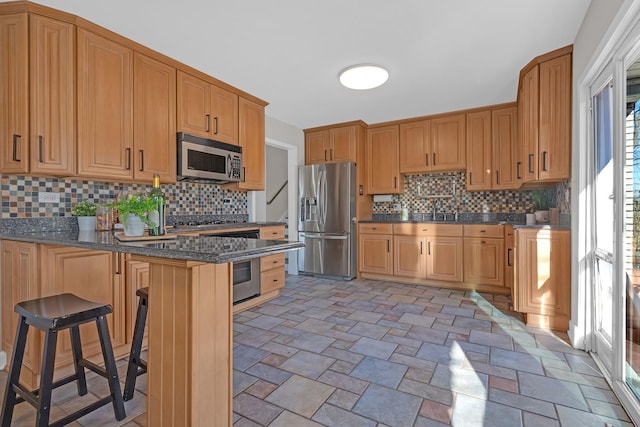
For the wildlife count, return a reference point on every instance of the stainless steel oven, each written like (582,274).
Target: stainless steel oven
(246,274)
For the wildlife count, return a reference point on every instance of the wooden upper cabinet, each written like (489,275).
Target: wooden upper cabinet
(448,137)
(544,118)
(253,146)
(105,107)
(504,141)
(415,147)
(337,144)
(52,99)
(382,151)
(207,110)
(479,170)
(14,94)
(37,100)
(154,116)
(555,119)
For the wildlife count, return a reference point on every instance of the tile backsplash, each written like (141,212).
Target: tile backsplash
(20,196)
(448,192)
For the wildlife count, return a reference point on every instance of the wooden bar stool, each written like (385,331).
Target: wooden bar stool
(137,366)
(50,315)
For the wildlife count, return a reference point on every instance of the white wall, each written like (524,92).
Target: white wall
(276,171)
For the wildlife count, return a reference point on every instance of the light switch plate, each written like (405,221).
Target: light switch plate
(226,201)
(48,197)
(396,207)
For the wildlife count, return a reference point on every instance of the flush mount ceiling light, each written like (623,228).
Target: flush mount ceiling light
(363,76)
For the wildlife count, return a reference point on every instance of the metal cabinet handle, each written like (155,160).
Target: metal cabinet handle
(128,150)
(497,177)
(215,125)
(420,248)
(518,163)
(208,125)
(15,148)
(434,159)
(426,159)
(483,231)
(141,160)
(509,257)
(325,155)
(388,245)
(428,248)
(395,182)
(530,163)
(118,263)
(40,148)
(470,177)
(483,242)
(331,154)
(544,161)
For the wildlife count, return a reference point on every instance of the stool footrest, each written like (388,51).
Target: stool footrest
(93,367)
(25,395)
(82,412)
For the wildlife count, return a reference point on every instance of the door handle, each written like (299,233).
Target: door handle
(141,160)
(319,237)
(420,248)
(428,248)
(544,161)
(530,163)
(395,182)
(128,151)
(208,125)
(509,264)
(40,148)
(325,155)
(497,177)
(470,178)
(15,148)
(434,159)
(388,245)
(518,163)
(426,159)
(215,125)
(331,153)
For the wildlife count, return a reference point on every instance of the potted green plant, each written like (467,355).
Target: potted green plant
(85,211)
(132,211)
(542,201)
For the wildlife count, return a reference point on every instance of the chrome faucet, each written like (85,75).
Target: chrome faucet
(435,205)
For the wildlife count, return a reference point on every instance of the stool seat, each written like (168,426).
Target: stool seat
(51,315)
(60,311)
(143,292)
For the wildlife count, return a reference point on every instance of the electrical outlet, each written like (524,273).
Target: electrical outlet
(226,201)
(48,197)
(396,207)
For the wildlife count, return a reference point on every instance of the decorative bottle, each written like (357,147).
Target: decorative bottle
(157,215)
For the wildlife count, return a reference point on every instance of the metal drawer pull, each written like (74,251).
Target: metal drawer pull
(208,126)
(141,160)
(429,248)
(518,163)
(215,123)
(420,248)
(128,150)
(530,163)
(544,161)
(40,148)
(509,257)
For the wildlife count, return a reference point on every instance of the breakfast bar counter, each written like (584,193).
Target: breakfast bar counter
(190,317)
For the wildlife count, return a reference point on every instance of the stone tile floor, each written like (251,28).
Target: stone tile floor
(369,353)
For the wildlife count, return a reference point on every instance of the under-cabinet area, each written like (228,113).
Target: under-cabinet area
(531,264)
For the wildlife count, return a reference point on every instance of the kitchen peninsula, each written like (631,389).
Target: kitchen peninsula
(190,316)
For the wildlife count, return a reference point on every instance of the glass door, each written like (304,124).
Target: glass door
(603,217)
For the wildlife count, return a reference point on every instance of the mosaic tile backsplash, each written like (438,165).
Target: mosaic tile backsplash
(20,196)
(448,192)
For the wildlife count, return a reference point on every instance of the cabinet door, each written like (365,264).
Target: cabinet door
(504,140)
(409,256)
(509,255)
(374,254)
(52,98)
(415,147)
(316,147)
(105,107)
(543,272)
(528,106)
(136,277)
(448,136)
(194,104)
(19,275)
(252,143)
(14,94)
(479,170)
(224,111)
(154,117)
(383,175)
(444,258)
(484,261)
(342,144)
(554,142)
(90,274)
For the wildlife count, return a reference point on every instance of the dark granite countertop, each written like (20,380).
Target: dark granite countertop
(210,249)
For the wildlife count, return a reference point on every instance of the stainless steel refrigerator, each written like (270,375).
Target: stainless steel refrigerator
(326,226)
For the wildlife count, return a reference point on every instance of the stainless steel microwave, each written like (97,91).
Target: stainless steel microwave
(202,159)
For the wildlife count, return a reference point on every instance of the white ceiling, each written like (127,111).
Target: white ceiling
(442,55)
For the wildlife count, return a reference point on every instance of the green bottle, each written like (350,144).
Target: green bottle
(157,216)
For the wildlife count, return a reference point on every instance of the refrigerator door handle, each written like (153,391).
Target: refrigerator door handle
(320,236)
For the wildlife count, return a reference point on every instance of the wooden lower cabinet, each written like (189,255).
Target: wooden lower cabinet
(375,253)
(543,271)
(484,260)
(20,282)
(444,258)
(409,256)
(32,270)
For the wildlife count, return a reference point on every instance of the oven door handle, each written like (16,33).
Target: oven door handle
(322,236)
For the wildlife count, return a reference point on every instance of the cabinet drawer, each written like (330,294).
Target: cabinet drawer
(484,230)
(272,233)
(376,228)
(270,262)
(271,280)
